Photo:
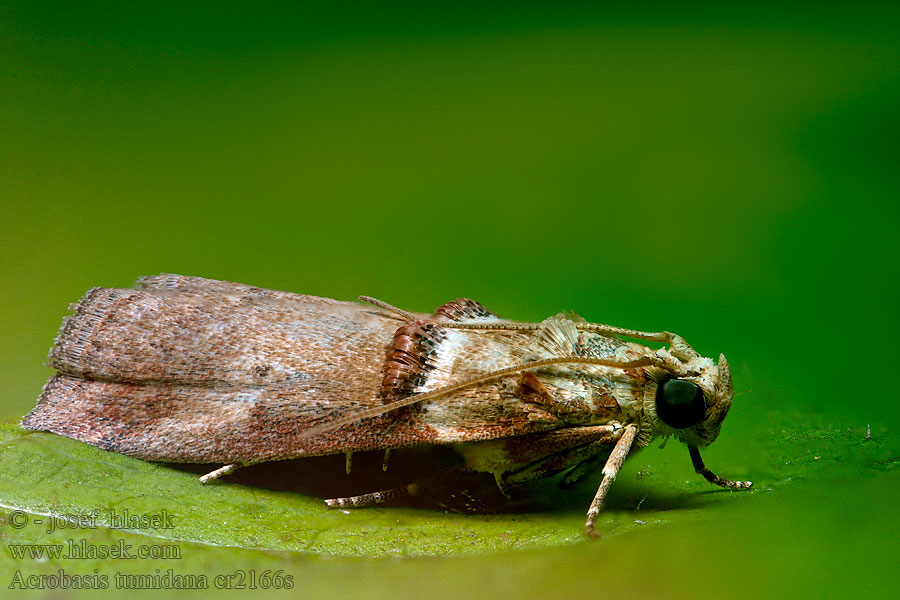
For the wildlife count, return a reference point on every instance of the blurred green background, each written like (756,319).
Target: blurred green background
(727,173)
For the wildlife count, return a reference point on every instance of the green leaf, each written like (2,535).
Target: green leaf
(45,474)
(225,532)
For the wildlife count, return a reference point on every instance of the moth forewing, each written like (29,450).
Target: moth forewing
(185,369)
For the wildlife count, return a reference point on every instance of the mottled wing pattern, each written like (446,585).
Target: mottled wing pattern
(187,369)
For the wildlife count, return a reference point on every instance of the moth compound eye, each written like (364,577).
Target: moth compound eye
(680,403)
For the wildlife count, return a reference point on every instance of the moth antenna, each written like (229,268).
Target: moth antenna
(655,336)
(492,326)
(711,477)
(675,341)
(658,336)
(389,307)
(376,411)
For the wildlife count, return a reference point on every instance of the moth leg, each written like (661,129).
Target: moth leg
(711,477)
(517,460)
(373,498)
(610,470)
(574,458)
(578,473)
(220,472)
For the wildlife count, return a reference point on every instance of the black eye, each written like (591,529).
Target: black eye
(680,403)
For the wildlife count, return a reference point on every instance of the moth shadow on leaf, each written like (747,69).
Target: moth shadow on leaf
(443,484)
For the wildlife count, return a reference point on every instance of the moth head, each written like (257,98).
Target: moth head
(693,407)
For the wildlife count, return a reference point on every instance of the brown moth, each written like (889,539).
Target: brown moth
(193,370)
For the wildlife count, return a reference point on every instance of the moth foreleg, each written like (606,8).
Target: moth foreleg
(610,470)
(220,472)
(711,477)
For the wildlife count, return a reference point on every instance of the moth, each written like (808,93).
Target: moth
(193,370)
